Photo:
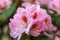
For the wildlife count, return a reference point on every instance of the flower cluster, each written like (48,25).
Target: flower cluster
(31,20)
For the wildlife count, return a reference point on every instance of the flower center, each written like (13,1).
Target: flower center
(24,19)
(34,26)
(35,15)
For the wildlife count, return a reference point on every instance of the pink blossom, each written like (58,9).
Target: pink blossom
(48,35)
(18,24)
(28,2)
(58,32)
(52,36)
(5,4)
(44,2)
(32,20)
(55,6)
(57,38)
(40,2)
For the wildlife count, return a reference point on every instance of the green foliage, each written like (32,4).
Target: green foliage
(58,21)
(25,37)
(41,37)
(4,17)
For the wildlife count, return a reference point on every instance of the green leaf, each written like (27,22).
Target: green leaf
(24,37)
(58,21)
(40,38)
(4,17)
(48,39)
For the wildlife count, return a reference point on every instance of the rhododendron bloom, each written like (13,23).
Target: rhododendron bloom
(52,36)
(58,32)
(41,2)
(5,4)
(55,6)
(28,2)
(57,38)
(44,2)
(31,20)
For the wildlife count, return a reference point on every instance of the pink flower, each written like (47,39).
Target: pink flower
(48,35)
(18,24)
(58,32)
(52,36)
(5,4)
(55,6)
(44,2)
(28,2)
(41,2)
(32,20)
(57,38)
